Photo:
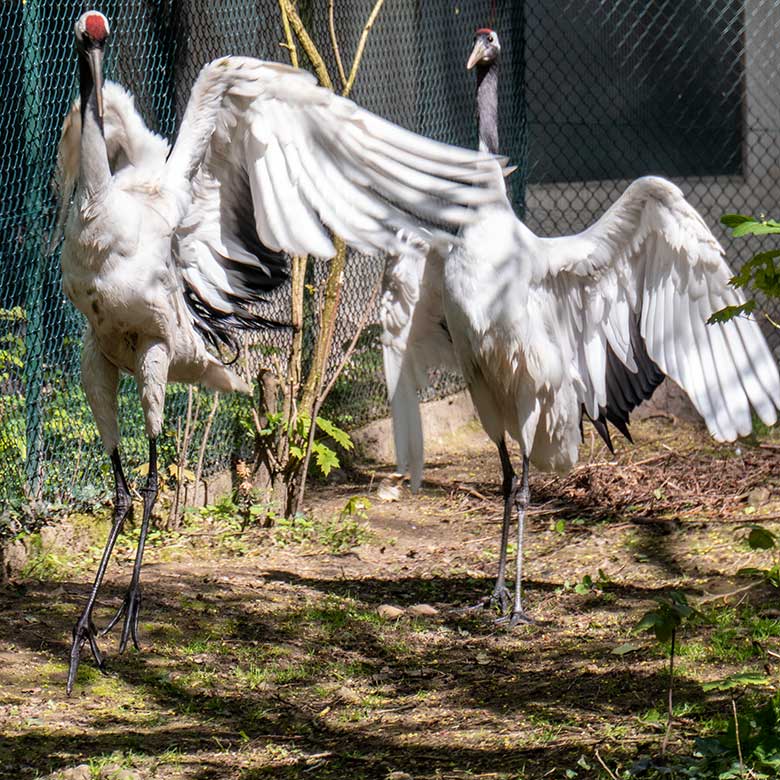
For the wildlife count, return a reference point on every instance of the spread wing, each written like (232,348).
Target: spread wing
(276,163)
(414,339)
(635,291)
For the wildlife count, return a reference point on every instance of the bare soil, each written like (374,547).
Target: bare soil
(272,654)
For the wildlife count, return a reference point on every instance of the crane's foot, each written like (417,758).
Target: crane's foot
(130,609)
(515,618)
(498,600)
(84,631)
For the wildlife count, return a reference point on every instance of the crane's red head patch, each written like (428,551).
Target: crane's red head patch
(96,27)
(484,31)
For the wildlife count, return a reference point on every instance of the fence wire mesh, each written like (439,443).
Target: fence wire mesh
(593,94)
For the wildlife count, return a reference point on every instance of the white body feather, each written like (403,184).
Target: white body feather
(534,321)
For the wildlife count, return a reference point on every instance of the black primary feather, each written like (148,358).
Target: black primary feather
(626,389)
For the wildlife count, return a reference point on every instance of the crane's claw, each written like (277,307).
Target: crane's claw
(515,618)
(83,631)
(500,599)
(131,608)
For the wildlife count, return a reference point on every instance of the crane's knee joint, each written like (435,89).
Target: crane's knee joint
(522,498)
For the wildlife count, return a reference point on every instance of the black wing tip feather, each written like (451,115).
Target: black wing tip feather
(626,389)
(219,328)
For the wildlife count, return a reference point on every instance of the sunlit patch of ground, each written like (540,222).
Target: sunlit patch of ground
(266,654)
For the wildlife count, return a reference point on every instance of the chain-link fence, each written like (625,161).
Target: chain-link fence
(592,93)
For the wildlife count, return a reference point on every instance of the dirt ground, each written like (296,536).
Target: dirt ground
(274,653)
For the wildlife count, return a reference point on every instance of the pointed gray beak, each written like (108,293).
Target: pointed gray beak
(477,54)
(96,66)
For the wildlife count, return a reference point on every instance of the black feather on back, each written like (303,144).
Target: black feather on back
(626,389)
(249,283)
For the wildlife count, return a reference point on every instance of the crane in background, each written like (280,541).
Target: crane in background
(547,331)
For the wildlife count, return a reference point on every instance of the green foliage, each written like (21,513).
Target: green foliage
(667,617)
(760,273)
(760,538)
(338,535)
(325,457)
(755,754)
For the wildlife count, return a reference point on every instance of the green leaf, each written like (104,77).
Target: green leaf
(760,538)
(729,312)
(625,648)
(342,438)
(296,452)
(732,220)
(756,228)
(648,621)
(739,680)
(325,458)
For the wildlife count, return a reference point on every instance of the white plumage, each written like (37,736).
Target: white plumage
(166,250)
(545,329)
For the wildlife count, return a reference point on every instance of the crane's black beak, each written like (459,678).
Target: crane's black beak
(477,54)
(95,57)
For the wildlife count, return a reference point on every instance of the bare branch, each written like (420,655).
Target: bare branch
(335,43)
(307,43)
(324,393)
(360,47)
(203,442)
(290,42)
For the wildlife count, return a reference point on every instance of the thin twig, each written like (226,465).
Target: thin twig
(307,43)
(290,42)
(606,768)
(335,43)
(173,518)
(203,442)
(736,737)
(360,47)
(671,685)
(352,344)
(322,395)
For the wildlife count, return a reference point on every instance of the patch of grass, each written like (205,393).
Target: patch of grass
(338,535)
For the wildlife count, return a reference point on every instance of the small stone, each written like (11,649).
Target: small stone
(399,776)
(422,610)
(758,496)
(389,612)
(114,772)
(80,772)
(388,491)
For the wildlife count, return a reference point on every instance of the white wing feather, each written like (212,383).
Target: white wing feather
(414,339)
(309,162)
(651,264)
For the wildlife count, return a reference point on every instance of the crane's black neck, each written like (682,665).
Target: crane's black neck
(87,92)
(487,106)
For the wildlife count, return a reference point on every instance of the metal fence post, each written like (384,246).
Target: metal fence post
(31,244)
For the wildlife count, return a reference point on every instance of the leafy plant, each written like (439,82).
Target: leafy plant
(664,621)
(760,538)
(760,273)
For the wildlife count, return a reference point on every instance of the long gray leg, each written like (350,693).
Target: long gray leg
(84,630)
(500,597)
(521,499)
(131,605)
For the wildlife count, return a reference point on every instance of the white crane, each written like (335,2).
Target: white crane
(546,330)
(165,252)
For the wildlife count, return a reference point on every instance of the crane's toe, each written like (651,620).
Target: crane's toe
(500,599)
(516,617)
(84,631)
(130,610)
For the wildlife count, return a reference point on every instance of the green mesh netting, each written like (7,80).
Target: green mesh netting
(593,94)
